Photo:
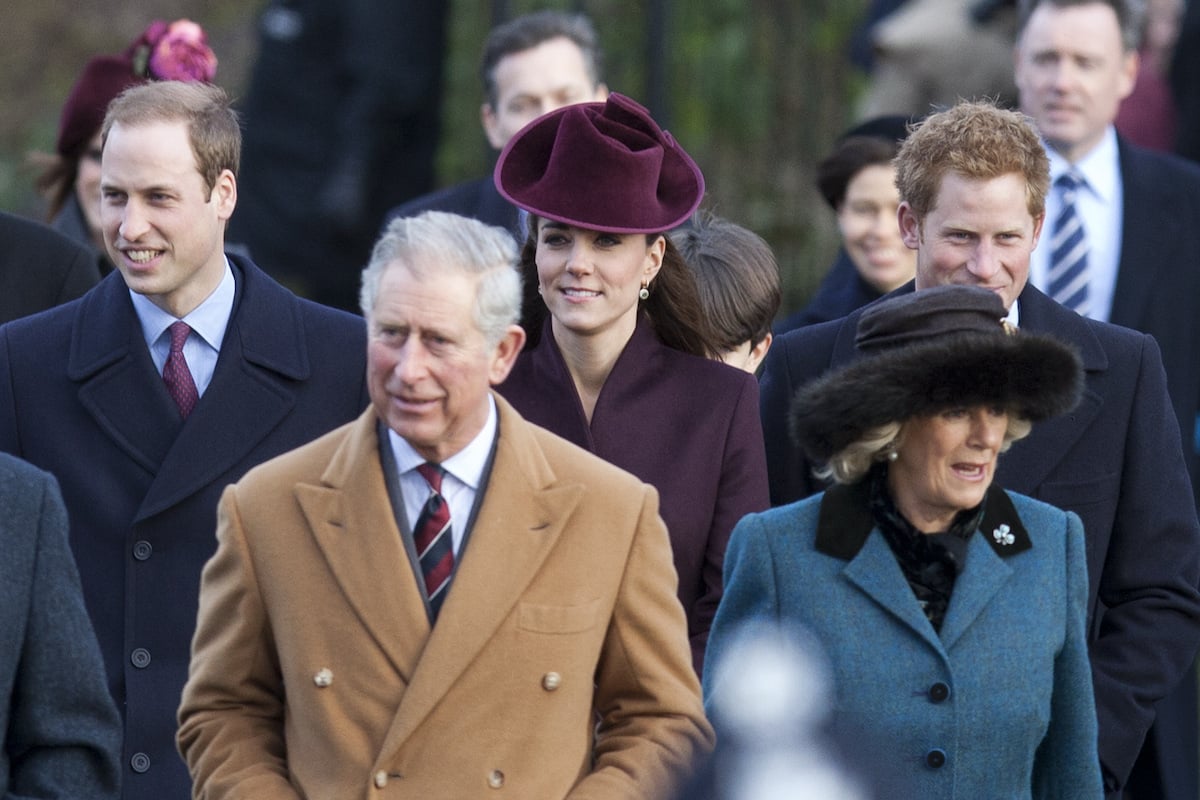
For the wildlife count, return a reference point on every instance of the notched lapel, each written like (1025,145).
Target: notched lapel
(983,576)
(875,571)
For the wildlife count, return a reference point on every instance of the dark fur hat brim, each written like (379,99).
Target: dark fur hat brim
(1033,376)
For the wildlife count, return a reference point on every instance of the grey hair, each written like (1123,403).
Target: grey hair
(434,243)
(852,462)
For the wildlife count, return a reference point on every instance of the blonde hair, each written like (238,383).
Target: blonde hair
(852,462)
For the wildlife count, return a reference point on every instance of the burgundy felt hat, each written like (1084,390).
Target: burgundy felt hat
(602,166)
(103,78)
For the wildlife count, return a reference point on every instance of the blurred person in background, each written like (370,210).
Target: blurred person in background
(531,65)
(858,182)
(341,117)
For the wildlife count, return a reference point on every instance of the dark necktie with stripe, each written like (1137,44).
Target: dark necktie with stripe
(432,539)
(1068,278)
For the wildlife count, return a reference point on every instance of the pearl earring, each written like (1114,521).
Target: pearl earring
(644,294)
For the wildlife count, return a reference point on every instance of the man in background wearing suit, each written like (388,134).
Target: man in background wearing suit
(972,184)
(440,599)
(1134,259)
(160,386)
(532,65)
(40,268)
(59,730)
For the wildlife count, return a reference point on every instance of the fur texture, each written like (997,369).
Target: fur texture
(1032,376)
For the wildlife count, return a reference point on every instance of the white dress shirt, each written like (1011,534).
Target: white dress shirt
(463,475)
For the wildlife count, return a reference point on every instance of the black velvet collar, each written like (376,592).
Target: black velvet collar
(845,522)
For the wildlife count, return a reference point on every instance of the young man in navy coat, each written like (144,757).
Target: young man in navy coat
(254,372)
(974,212)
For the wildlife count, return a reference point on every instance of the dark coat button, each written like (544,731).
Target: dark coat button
(938,692)
(140,658)
(936,758)
(142,550)
(139,763)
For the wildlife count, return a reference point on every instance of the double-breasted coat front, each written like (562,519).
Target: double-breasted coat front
(558,666)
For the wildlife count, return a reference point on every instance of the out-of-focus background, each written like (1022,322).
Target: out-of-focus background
(756,90)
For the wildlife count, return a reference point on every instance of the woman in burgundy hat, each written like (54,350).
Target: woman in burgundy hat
(619,365)
(70,179)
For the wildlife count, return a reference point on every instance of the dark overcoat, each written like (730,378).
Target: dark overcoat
(40,268)
(60,735)
(80,398)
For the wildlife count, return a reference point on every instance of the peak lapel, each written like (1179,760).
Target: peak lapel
(352,522)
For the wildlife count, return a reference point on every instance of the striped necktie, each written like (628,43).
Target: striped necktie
(433,540)
(1068,278)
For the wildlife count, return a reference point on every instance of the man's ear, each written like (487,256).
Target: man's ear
(910,226)
(505,354)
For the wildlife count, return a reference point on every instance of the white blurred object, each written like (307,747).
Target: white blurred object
(772,694)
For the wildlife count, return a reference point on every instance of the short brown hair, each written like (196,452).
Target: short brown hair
(977,140)
(213,129)
(736,275)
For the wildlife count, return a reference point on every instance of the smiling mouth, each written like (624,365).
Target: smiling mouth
(141,256)
(580,293)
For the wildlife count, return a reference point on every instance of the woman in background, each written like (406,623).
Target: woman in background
(858,182)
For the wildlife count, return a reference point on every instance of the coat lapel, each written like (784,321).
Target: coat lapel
(1026,465)
(875,572)
(252,391)
(351,519)
(522,517)
(1144,231)
(118,385)
(984,575)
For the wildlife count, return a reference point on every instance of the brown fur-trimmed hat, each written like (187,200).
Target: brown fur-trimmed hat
(927,351)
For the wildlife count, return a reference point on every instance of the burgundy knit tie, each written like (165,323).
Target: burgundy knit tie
(432,539)
(176,374)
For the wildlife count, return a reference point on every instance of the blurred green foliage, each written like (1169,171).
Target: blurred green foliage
(757,91)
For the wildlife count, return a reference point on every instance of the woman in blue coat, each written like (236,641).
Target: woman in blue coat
(618,354)
(953,612)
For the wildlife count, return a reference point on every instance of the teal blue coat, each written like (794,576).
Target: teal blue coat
(999,705)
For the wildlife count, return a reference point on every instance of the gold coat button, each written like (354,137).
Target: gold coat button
(324,677)
(380,779)
(551,681)
(496,779)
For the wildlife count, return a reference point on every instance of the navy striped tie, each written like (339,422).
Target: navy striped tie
(432,539)
(1068,278)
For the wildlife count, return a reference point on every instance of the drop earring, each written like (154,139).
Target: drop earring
(644,294)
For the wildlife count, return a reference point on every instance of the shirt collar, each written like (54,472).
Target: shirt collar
(1101,167)
(208,320)
(467,465)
